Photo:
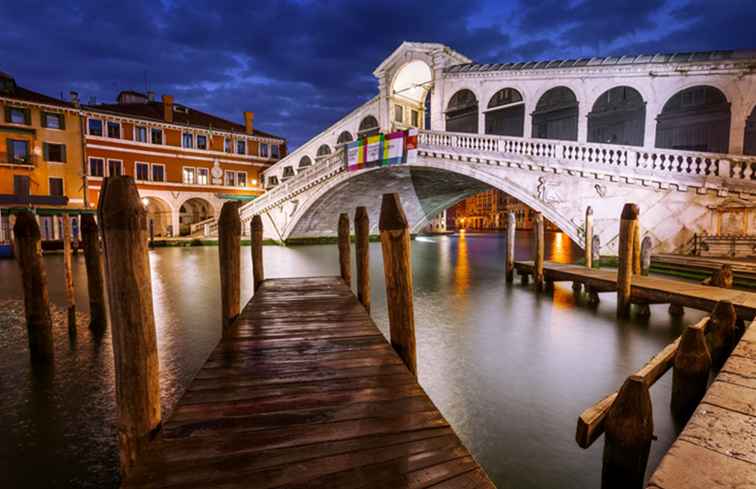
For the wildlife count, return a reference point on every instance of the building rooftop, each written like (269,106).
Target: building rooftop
(9,89)
(659,58)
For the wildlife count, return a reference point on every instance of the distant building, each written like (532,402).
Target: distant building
(487,211)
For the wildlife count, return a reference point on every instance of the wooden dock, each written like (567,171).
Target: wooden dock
(304,391)
(649,289)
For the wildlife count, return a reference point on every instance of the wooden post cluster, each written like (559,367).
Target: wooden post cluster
(511,228)
(397,268)
(28,251)
(123,222)
(362,250)
(690,374)
(256,239)
(628,226)
(345,255)
(68,270)
(589,237)
(95,273)
(722,335)
(538,251)
(628,433)
(229,253)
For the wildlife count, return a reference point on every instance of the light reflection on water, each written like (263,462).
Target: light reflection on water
(510,369)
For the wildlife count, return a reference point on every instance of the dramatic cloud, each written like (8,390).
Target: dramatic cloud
(301,64)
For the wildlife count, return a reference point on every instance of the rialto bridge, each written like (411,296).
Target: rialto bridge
(671,132)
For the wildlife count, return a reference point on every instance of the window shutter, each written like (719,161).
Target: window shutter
(27,116)
(43,119)
(63,152)
(7,113)
(63,122)
(46,151)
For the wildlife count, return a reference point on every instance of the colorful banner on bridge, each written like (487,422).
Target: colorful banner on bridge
(395,148)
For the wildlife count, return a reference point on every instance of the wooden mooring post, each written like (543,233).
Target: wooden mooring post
(68,272)
(625,266)
(589,237)
(362,250)
(28,251)
(229,253)
(397,268)
(722,335)
(690,374)
(538,251)
(123,222)
(256,239)
(345,249)
(95,273)
(511,229)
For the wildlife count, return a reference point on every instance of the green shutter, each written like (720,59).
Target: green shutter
(43,119)
(27,116)
(63,152)
(46,151)
(63,121)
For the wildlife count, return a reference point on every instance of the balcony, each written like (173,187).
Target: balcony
(28,162)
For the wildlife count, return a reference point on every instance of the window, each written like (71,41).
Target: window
(241,179)
(264,150)
(56,186)
(114,130)
(158,172)
(241,147)
(20,185)
(189,175)
(227,147)
(18,152)
(202,176)
(142,171)
(54,152)
(274,151)
(140,134)
(53,120)
(96,167)
(201,141)
(115,168)
(230,178)
(415,118)
(95,127)
(398,113)
(188,140)
(17,115)
(156,135)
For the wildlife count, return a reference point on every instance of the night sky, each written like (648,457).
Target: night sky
(301,65)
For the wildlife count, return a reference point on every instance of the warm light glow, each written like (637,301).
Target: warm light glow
(462,267)
(254,181)
(145,202)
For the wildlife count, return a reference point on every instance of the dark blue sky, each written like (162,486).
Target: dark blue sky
(302,64)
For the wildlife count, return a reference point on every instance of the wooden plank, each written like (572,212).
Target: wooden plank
(304,391)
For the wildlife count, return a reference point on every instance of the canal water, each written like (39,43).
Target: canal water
(511,370)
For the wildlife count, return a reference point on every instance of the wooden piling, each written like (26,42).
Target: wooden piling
(511,229)
(589,237)
(123,221)
(629,429)
(362,250)
(676,310)
(345,248)
(95,273)
(690,373)
(397,268)
(68,272)
(625,266)
(637,266)
(256,239)
(538,251)
(645,256)
(229,253)
(28,251)
(722,335)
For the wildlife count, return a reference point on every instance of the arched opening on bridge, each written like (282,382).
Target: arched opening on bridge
(344,137)
(695,119)
(618,117)
(323,150)
(556,115)
(159,216)
(462,112)
(193,211)
(749,141)
(408,93)
(304,162)
(368,127)
(505,115)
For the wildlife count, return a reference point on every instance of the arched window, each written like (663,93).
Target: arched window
(556,115)
(324,150)
(749,143)
(344,137)
(305,161)
(288,172)
(695,119)
(368,127)
(462,112)
(618,117)
(506,113)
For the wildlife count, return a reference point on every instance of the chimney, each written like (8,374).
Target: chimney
(249,119)
(74,98)
(168,108)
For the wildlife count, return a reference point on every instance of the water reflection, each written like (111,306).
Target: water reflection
(462,267)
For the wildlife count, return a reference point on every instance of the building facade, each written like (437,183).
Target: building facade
(487,211)
(186,163)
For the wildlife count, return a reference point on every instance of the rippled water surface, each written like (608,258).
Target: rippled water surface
(511,370)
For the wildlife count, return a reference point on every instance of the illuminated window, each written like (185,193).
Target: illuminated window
(202,176)
(189,175)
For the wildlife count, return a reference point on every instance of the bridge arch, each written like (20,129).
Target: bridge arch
(304,162)
(462,111)
(556,114)
(344,137)
(696,118)
(505,113)
(160,214)
(191,211)
(749,136)
(618,116)
(323,150)
(368,126)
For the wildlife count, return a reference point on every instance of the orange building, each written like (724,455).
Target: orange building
(186,162)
